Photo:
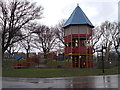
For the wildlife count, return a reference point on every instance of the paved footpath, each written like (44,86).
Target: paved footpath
(106,81)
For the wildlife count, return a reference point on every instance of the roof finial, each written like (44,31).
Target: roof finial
(77,4)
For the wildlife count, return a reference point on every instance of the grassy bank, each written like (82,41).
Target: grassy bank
(46,73)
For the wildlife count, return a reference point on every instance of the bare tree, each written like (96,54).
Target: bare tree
(13,48)
(116,37)
(25,44)
(106,35)
(14,15)
(45,39)
(59,31)
(96,36)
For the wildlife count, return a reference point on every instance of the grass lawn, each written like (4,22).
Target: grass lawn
(8,71)
(47,73)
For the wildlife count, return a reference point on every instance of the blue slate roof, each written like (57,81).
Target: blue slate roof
(78,17)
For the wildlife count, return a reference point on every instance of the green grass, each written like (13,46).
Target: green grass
(55,63)
(8,71)
(46,73)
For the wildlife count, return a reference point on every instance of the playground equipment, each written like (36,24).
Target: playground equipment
(78,31)
(24,64)
(52,55)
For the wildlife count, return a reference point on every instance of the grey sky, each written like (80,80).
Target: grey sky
(119,11)
(97,10)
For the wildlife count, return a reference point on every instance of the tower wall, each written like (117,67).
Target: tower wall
(76,47)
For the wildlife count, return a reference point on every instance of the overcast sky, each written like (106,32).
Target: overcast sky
(119,11)
(96,10)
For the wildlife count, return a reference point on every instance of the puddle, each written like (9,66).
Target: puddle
(110,81)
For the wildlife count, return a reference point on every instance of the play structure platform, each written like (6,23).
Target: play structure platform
(24,64)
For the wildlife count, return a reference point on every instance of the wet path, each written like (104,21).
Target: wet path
(109,81)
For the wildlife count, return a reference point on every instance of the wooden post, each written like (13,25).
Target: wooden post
(86,49)
(87,59)
(79,46)
(71,39)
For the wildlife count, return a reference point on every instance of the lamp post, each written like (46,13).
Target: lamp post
(103,47)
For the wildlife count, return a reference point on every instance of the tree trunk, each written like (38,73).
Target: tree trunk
(27,53)
(45,55)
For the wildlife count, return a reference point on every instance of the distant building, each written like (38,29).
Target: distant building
(54,55)
(32,54)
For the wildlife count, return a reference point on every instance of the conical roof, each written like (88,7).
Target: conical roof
(78,17)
